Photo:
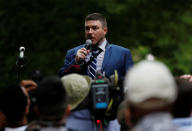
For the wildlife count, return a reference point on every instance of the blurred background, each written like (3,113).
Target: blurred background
(48,28)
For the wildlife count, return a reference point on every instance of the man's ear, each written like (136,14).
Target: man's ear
(35,108)
(128,117)
(27,107)
(105,30)
(68,110)
(3,120)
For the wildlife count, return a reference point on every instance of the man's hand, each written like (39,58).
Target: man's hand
(187,77)
(81,54)
(28,84)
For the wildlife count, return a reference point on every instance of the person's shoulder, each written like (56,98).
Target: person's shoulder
(33,126)
(40,125)
(118,47)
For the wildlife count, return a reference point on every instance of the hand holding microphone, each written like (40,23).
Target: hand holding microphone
(83,52)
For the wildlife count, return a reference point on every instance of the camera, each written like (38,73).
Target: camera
(105,96)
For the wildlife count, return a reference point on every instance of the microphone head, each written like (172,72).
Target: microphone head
(88,45)
(88,42)
(22,48)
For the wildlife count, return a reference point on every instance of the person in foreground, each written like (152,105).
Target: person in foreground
(51,106)
(182,106)
(78,88)
(150,92)
(14,104)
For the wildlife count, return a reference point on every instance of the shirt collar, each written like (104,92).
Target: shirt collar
(103,45)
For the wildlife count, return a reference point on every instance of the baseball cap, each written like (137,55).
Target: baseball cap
(77,87)
(148,80)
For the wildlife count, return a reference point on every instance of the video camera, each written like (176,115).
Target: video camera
(105,96)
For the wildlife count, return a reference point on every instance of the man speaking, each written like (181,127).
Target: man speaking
(97,54)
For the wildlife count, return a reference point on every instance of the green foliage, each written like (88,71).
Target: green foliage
(48,29)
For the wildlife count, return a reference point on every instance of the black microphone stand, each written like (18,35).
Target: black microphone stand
(21,61)
(19,65)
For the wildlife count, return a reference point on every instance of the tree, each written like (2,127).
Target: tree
(48,29)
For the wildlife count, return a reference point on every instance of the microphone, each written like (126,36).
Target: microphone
(21,60)
(21,50)
(88,45)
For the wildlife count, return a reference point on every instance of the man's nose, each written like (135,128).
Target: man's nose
(90,30)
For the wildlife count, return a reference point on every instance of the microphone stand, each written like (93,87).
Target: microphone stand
(19,67)
(21,61)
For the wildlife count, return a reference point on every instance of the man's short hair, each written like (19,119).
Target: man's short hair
(51,98)
(97,16)
(13,103)
(182,105)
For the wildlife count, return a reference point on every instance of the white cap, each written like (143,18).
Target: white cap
(149,84)
(150,57)
(77,87)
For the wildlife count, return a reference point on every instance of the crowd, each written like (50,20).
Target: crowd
(152,98)
(154,101)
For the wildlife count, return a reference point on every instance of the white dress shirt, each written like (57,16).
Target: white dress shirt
(100,57)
